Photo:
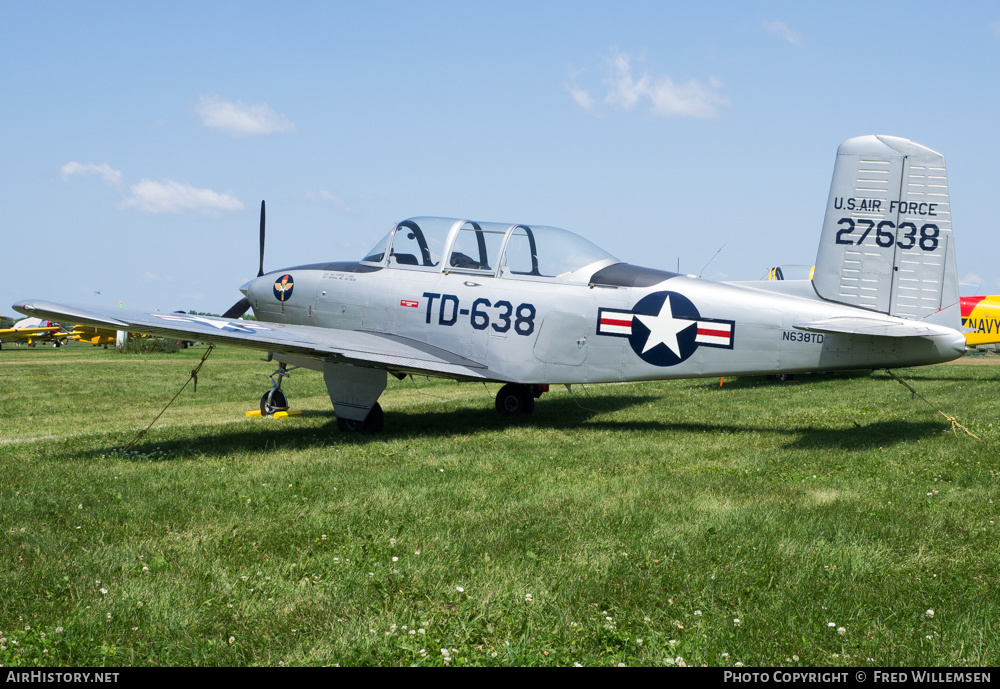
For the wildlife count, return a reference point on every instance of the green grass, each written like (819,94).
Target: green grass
(671,508)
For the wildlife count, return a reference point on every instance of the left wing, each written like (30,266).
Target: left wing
(359,347)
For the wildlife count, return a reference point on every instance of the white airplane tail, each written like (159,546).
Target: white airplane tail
(887,239)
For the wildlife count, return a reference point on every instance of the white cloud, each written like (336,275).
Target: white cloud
(104,171)
(331,198)
(241,120)
(780,28)
(169,196)
(665,98)
(971,281)
(581,97)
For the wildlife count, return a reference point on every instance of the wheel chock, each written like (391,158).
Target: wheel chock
(254,414)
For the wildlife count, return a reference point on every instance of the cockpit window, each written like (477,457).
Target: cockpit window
(487,248)
(477,246)
(377,253)
(548,252)
(420,242)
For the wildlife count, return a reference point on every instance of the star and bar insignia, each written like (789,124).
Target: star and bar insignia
(665,328)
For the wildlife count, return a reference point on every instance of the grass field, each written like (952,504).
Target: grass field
(830,521)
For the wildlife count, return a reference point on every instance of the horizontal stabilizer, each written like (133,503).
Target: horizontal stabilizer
(879,327)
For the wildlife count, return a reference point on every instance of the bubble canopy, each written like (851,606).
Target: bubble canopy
(487,248)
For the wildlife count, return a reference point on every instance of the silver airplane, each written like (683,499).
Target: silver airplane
(530,306)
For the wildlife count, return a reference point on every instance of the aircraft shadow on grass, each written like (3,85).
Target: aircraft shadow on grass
(554,415)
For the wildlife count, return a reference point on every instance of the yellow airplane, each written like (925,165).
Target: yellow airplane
(980,313)
(92,335)
(983,314)
(32,330)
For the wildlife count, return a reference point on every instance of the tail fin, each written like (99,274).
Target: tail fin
(887,238)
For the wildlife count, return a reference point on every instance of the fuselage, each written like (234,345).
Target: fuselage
(605,322)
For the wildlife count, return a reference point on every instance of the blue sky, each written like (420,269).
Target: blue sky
(139,138)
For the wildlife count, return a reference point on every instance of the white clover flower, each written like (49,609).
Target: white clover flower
(831,624)
(528,598)
(575,664)
(697,613)
(929,613)
(421,631)
(736,622)
(841,631)
(392,541)
(725,656)
(395,559)
(232,639)
(460,589)
(739,664)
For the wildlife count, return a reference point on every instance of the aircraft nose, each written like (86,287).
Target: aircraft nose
(245,287)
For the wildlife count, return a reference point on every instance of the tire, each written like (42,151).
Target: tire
(278,403)
(372,424)
(513,400)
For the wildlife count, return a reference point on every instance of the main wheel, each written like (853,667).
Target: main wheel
(515,399)
(278,403)
(372,423)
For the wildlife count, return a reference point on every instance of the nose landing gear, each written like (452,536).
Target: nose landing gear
(274,399)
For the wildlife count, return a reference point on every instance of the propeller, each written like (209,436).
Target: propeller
(261,271)
(243,305)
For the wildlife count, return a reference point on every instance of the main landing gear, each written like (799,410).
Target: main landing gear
(372,423)
(274,399)
(514,399)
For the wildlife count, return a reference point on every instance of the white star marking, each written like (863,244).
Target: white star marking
(664,328)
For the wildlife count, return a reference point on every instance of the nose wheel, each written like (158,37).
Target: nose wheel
(274,400)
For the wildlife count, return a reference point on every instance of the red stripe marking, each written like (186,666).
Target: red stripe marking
(713,333)
(615,321)
(969,304)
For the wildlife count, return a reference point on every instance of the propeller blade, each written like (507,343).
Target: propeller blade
(261,271)
(238,309)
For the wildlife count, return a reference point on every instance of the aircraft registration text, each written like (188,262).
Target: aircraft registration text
(799,336)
